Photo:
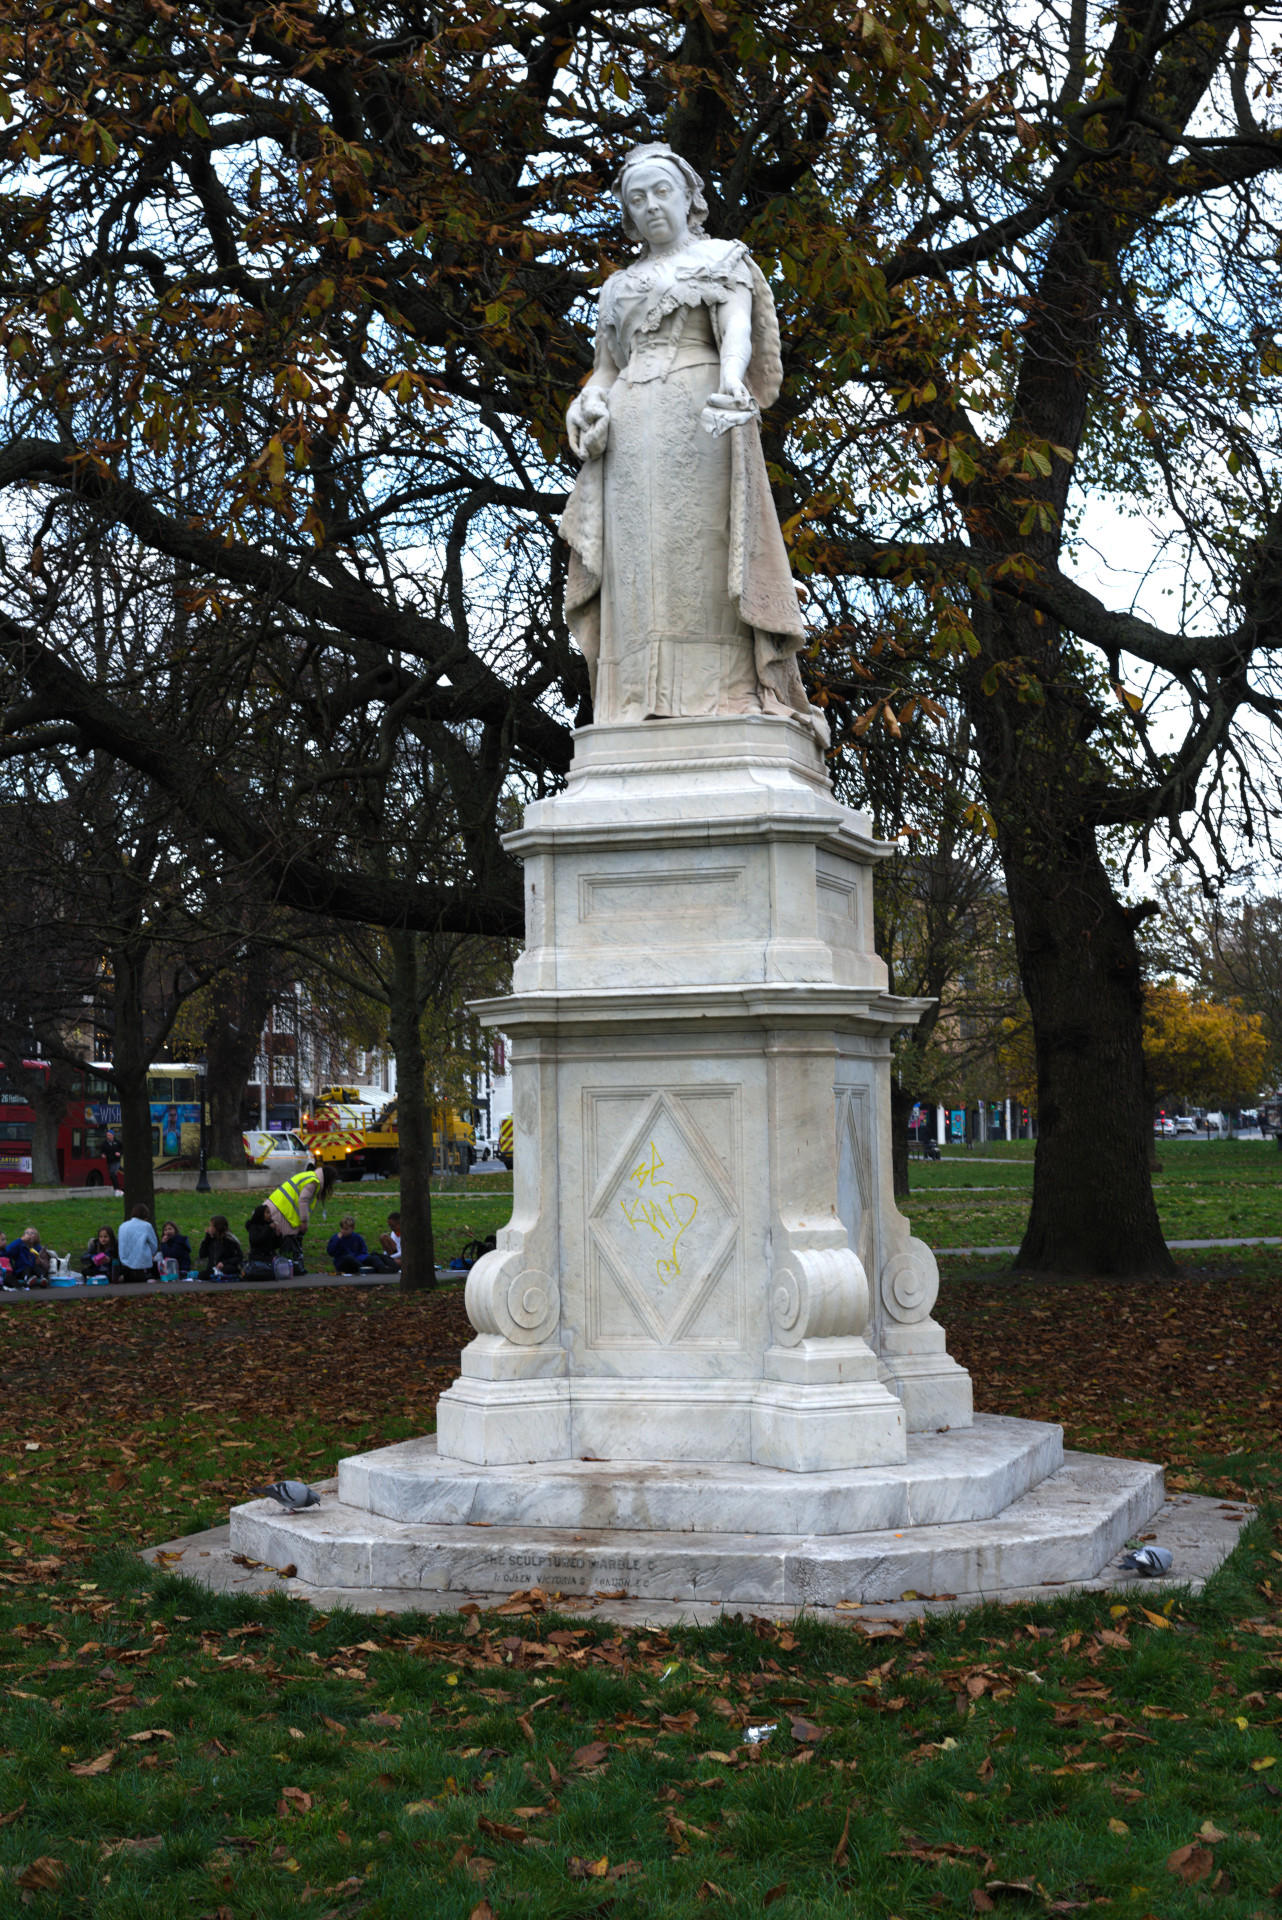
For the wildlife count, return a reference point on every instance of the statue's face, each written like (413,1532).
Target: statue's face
(657,202)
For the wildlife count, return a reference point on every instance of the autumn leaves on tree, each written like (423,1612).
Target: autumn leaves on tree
(293,303)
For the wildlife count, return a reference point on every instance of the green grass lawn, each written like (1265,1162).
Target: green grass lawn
(164,1752)
(1226,1189)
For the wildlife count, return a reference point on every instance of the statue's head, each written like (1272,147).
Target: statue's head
(655,175)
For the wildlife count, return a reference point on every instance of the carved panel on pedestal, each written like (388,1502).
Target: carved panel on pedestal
(655,897)
(856,1197)
(837,885)
(663,1219)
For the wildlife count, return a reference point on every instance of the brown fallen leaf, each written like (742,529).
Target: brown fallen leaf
(1191,1864)
(14,1813)
(481,1911)
(579,1869)
(842,1846)
(1211,1833)
(502,1830)
(85,1769)
(295,1797)
(593,1755)
(709,1890)
(148,1843)
(148,1734)
(774,1893)
(805,1732)
(393,1720)
(679,1722)
(42,1876)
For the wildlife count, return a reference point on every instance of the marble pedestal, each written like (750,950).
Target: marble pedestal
(705,1362)
(704,1261)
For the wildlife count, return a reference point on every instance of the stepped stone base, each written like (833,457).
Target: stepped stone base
(947,1477)
(1057,1527)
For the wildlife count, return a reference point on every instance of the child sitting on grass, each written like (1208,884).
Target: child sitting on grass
(221,1256)
(348,1251)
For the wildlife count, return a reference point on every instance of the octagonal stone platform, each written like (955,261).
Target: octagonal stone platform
(993,1510)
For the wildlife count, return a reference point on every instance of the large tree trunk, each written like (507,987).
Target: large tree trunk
(901,1105)
(131,1057)
(229,1053)
(47,1112)
(1093,1209)
(418,1254)
(233,1033)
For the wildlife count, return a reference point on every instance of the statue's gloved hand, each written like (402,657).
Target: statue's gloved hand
(588,423)
(732,406)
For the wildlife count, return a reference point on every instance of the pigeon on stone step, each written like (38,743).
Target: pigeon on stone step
(1150,1561)
(293,1495)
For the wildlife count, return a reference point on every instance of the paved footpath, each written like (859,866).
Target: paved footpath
(154,1289)
(1176,1246)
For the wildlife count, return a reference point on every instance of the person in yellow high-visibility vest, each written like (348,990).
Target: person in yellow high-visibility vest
(289,1206)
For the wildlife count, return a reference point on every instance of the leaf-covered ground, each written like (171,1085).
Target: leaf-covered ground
(170,1753)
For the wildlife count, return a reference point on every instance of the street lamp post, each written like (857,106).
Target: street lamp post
(202,1178)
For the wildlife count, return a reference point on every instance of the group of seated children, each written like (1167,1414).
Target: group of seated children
(136,1255)
(348,1251)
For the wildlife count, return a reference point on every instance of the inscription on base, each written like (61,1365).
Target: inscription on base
(572,1572)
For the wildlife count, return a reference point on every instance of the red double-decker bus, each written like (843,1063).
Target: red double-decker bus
(81,1160)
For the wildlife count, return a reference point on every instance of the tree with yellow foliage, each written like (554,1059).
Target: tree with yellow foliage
(1204,1052)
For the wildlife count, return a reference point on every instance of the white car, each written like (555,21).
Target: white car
(284,1153)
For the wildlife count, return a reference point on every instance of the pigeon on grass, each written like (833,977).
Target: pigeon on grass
(1149,1561)
(293,1495)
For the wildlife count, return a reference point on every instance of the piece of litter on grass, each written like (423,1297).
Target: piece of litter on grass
(754,1736)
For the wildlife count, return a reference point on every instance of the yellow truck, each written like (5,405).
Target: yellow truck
(357,1140)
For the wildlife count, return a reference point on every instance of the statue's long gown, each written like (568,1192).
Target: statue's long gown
(679,590)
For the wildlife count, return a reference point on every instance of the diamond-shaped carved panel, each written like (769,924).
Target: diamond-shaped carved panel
(664,1224)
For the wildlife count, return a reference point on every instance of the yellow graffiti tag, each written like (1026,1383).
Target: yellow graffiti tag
(668,1216)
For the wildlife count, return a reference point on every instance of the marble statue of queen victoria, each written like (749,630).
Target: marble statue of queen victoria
(679,592)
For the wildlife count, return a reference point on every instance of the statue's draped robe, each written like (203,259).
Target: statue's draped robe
(679,592)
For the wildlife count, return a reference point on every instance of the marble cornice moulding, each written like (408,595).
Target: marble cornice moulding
(783,1004)
(565,834)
